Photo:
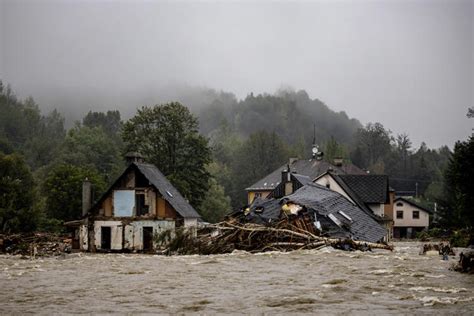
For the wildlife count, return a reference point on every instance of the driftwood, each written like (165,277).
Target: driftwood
(35,244)
(231,235)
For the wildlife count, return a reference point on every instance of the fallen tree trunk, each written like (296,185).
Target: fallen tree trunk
(227,236)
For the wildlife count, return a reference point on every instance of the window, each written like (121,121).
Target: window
(416,214)
(400,214)
(258,194)
(399,204)
(141,208)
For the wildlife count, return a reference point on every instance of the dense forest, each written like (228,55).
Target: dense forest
(215,151)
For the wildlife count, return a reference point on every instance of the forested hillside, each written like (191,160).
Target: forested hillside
(43,164)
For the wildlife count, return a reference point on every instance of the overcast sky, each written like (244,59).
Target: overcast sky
(406,64)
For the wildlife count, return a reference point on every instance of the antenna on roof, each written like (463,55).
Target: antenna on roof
(318,155)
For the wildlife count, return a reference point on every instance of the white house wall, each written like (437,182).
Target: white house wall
(408,220)
(116,230)
(132,233)
(377,209)
(83,238)
(190,222)
(333,185)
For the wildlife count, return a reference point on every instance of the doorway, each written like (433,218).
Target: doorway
(147,238)
(106,237)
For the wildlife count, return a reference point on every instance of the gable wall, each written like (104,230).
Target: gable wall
(333,185)
(408,220)
(158,207)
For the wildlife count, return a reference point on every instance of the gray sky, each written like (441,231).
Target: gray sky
(406,64)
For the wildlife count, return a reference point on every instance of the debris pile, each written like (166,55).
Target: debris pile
(465,263)
(441,249)
(35,244)
(286,235)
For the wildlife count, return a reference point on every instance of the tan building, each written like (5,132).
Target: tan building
(409,218)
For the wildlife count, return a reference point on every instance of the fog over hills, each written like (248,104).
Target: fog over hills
(408,65)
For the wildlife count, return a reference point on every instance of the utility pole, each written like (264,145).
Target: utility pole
(416,189)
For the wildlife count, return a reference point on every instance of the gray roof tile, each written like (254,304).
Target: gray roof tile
(369,188)
(324,202)
(167,190)
(311,168)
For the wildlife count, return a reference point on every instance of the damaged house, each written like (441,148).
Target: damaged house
(138,205)
(370,192)
(331,213)
(311,168)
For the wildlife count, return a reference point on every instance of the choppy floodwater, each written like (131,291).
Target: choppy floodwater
(322,282)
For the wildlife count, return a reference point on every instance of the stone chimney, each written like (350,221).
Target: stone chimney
(134,156)
(86,196)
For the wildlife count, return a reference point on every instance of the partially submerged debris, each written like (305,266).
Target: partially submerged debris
(466,262)
(285,235)
(35,244)
(444,249)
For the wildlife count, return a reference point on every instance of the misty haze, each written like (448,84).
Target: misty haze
(327,143)
(379,61)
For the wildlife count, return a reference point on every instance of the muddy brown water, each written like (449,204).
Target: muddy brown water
(326,281)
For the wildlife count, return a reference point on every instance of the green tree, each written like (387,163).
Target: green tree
(17,212)
(458,211)
(91,147)
(333,149)
(374,143)
(41,147)
(63,190)
(167,135)
(403,145)
(23,129)
(110,122)
(215,204)
(259,155)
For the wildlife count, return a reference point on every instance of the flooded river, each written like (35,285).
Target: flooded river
(318,282)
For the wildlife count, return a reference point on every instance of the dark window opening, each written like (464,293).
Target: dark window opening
(141,180)
(147,238)
(106,237)
(416,214)
(399,214)
(399,204)
(140,206)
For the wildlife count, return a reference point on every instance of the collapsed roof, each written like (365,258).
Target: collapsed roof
(337,215)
